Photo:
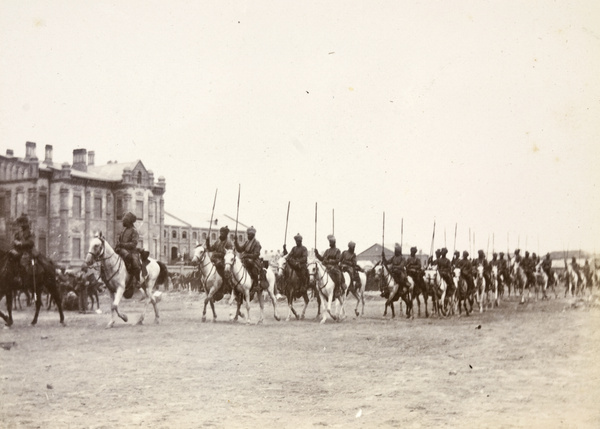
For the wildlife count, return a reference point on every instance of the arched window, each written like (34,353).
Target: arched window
(139,178)
(204,236)
(194,236)
(184,235)
(174,234)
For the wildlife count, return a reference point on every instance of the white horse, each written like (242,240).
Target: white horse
(242,283)
(115,276)
(210,280)
(324,283)
(494,285)
(438,289)
(480,287)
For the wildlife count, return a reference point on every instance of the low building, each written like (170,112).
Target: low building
(68,203)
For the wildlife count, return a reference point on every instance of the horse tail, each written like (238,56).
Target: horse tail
(163,275)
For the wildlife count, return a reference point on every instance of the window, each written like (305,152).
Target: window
(20,203)
(213,236)
(76,205)
(155,212)
(139,178)
(119,209)
(42,204)
(42,245)
(98,207)
(76,251)
(139,210)
(195,236)
(204,236)
(174,234)
(241,238)
(231,237)
(165,233)
(184,235)
(3,207)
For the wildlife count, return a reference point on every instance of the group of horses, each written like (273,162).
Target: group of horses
(281,279)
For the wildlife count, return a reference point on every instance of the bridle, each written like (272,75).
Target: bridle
(317,277)
(202,265)
(99,258)
(234,274)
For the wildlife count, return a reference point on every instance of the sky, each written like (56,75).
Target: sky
(480,117)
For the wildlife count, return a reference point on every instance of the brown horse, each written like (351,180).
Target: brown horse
(37,278)
(392,291)
(289,285)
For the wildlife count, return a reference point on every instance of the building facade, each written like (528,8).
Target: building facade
(180,237)
(68,203)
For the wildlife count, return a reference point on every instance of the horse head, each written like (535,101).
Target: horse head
(97,250)
(281,265)
(480,271)
(199,254)
(315,270)
(229,261)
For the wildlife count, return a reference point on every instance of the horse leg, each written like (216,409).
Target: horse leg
(306,301)
(271,292)
(355,293)
(143,315)
(262,307)
(38,305)
(329,302)
(9,306)
(247,297)
(114,307)
(54,292)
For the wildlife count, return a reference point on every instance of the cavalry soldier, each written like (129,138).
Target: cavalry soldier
(218,249)
(466,270)
(455,259)
(23,244)
(349,265)
(575,266)
(445,269)
(413,268)
(250,251)
(432,262)
(331,260)
(396,265)
(587,272)
(481,260)
(547,267)
(529,268)
(127,248)
(518,257)
(503,267)
(298,259)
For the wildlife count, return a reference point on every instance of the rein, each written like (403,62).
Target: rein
(323,285)
(101,260)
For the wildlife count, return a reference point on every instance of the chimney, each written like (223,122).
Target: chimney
(10,153)
(29,150)
(65,172)
(91,158)
(48,159)
(79,156)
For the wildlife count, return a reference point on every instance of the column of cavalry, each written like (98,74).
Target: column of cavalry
(234,269)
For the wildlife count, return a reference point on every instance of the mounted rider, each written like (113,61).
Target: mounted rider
(251,259)
(466,271)
(331,259)
(433,262)
(349,265)
(127,248)
(396,265)
(444,267)
(576,268)
(455,259)
(547,268)
(298,260)
(587,272)
(481,260)
(528,266)
(218,250)
(413,268)
(503,270)
(23,245)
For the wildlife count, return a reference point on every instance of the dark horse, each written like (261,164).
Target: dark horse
(289,284)
(37,278)
(392,291)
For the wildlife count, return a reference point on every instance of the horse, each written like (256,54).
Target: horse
(358,291)
(494,285)
(41,276)
(480,287)
(210,280)
(319,276)
(420,288)
(572,283)
(291,288)
(393,291)
(519,281)
(115,277)
(463,294)
(543,281)
(438,289)
(242,283)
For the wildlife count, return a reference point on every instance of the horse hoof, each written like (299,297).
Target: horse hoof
(277,318)
(157,321)
(110,325)
(322,321)
(125,319)
(204,318)
(357,313)
(63,324)
(140,322)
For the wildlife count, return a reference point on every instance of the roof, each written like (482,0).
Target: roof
(373,253)
(201,220)
(112,172)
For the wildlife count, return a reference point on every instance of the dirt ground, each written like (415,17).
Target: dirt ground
(533,365)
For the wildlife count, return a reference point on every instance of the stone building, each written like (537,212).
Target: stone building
(180,237)
(68,203)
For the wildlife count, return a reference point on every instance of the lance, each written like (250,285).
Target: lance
(315,225)
(470,242)
(432,239)
(383,235)
(213,212)
(402,233)
(493,242)
(455,228)
(333,221)
(237,211)
(487,250)
(287,216)
(445,237)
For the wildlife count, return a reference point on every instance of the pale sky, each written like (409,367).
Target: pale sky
(484,115)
